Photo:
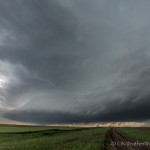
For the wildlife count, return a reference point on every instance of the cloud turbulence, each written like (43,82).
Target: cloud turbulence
(66,61)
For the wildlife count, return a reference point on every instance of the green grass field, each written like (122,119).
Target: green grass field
(51,138)
(60,138)
(142,134)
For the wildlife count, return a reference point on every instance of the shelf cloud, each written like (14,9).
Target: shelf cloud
(74,61)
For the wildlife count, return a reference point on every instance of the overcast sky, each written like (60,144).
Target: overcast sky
(66,61)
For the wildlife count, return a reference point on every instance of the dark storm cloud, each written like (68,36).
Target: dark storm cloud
(126,101)
(127,111)
(91,56)
(40,32)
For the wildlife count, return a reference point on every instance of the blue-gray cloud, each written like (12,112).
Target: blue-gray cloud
(86,60)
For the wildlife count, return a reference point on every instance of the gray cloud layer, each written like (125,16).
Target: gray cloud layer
(82,61)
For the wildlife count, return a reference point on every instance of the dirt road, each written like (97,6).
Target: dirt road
(120,141)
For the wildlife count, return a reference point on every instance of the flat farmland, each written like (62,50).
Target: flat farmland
(13,137)
(141,134)
(51,138)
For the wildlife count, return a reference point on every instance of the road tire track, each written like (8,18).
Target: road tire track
(119,141)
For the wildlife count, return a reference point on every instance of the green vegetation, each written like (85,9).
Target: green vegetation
(14,137)
(51,138)
(142,134)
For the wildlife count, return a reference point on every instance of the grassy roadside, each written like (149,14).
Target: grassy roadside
(140,133)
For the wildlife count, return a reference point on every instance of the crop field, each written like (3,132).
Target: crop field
(51,138)
(141,134)
(68,138)
(127,139)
